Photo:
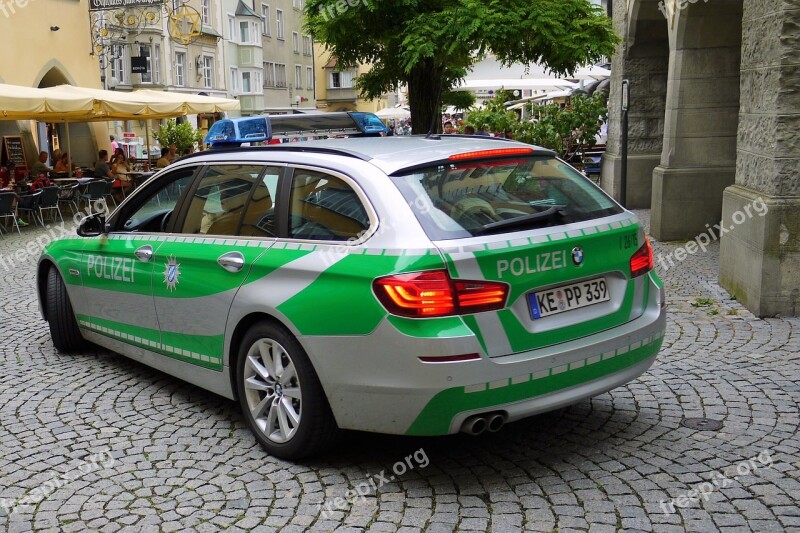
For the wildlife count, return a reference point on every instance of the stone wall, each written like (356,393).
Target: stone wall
(760,261)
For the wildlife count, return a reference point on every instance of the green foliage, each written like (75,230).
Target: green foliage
(494,117)
(431,44)
(565,129)
(461,100)
(182,135)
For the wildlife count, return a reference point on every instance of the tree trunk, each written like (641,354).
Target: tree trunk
(425,97)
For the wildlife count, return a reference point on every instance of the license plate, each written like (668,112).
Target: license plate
(568,297)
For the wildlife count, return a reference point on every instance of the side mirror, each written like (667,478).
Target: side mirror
(93,226)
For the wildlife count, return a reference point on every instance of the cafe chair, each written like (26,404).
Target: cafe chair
(93,192)
(7,209)
(69,196)
(30,203)
(49,202)
(108,191)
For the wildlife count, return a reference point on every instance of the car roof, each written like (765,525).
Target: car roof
(392,154)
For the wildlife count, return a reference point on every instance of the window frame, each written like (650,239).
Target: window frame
(269,68)
(180,68)
(285,198)
(208,67)
(280,21)
(145,193)
(266,22)
(205,12)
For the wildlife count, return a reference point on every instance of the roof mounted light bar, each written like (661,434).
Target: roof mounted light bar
(230,133)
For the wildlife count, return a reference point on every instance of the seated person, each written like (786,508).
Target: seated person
(62,165)
(40,167)
(101,169)
(120,168)
(164,161)
(41,182)
(5,175)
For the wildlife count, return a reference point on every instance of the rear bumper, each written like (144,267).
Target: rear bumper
(377,382)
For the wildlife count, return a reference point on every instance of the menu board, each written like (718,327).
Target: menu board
(13,150)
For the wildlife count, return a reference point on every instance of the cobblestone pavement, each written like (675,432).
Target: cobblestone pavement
(182,458)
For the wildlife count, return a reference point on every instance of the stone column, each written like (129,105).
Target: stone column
(699,155)
(760,257)
(642,59)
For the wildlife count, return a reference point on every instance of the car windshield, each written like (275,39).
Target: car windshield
(454,201)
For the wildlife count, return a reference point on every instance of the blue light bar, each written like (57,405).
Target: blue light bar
(229,133)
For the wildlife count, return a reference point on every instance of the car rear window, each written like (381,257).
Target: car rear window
(460,200)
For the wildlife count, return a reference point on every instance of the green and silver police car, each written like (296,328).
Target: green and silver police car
(402,285)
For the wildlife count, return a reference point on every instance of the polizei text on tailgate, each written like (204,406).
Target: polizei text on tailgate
(531,264)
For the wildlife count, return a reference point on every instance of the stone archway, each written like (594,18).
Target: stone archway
(644,61)
(698,159)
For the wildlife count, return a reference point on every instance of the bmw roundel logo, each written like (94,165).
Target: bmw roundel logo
(577,256)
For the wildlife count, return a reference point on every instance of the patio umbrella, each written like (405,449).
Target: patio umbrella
(393,113)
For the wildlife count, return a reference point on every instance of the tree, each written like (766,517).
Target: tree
(460,100)
(182,135)
(431,44)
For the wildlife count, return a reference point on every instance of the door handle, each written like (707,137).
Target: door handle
(232,262)
(144,254)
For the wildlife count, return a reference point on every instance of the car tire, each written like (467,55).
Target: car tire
(60,316)
(281,396)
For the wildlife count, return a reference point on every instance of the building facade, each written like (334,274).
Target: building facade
(47,43)
(714,119)
(336,87)
(180,49)
(288,56)
(244,56)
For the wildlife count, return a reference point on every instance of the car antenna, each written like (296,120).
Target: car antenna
(436,116)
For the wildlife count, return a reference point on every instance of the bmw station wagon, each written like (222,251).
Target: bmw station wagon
(402,285)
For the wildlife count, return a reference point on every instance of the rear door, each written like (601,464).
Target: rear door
(225,226)
(563,247)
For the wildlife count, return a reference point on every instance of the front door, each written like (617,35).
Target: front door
(117,269)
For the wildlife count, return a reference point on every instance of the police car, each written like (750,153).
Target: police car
(402,285)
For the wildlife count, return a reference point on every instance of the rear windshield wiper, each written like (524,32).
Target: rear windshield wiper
(526,220)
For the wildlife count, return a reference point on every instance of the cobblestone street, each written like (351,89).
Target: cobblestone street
(180,458)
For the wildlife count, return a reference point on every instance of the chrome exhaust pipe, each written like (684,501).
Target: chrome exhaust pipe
(474,425)
(495,422)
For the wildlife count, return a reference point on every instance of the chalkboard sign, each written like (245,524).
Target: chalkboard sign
(13,150)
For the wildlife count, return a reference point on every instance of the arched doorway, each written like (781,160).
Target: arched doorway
(698,159)
(52,136)
(645,63)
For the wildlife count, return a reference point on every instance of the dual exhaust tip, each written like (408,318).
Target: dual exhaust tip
(477,424)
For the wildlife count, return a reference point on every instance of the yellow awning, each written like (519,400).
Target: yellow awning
(66,103)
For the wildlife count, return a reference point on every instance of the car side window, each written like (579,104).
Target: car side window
(259,217)
(325,208)
(218,203)
(152,213)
